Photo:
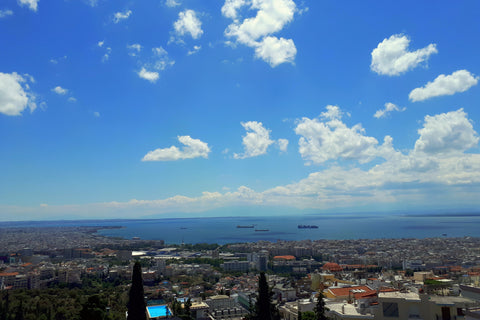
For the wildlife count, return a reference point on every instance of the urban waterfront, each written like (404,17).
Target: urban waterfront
(224,230)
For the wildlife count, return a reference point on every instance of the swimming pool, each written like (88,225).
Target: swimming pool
(158,311)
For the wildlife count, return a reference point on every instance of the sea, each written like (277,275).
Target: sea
(223,230)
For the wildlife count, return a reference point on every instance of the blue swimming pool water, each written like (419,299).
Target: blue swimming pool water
(158,311)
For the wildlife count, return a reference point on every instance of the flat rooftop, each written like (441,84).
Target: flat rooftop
(348,310)
(399,295)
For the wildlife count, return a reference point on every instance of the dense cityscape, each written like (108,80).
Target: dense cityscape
(432,278)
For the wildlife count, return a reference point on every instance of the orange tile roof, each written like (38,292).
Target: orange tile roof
(287,257)
(388,290)
(332,266)
(8,274)
(357,292)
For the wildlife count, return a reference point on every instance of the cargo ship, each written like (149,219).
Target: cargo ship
(307,226)
(244,227)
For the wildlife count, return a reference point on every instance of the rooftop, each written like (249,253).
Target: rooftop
(399,295)
(347,309)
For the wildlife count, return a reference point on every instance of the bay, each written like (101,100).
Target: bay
(224,230)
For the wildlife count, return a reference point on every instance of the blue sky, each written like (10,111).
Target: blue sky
(128,109)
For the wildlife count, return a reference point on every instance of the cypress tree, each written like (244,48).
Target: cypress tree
(320,308)
(136,303)
(265,309)
(186,309)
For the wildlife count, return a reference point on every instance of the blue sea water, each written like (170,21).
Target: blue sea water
(223,230)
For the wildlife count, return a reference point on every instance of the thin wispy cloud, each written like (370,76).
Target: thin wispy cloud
(5,13)
(120,16)
(389,108)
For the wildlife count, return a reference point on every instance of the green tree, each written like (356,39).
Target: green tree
(5,309)
(176,308)
(308,315)
(264,308)
(136,303)
(320,308)
(19,313)
(186,310)
(92,309)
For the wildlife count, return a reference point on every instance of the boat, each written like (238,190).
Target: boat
(307,226)
(262,230)
(244,227)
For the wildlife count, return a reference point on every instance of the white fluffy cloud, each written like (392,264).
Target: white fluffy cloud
(276,51)
(443,85)
(230,8)
(193,148)
(282,144)
(31,4)
(256,141)
(328,138)
(389,107)
(151,76)
(256,32)
(446,133)
(391,57)
(5,13)
(15,95)
(119,16)
(188,23)
(59,90)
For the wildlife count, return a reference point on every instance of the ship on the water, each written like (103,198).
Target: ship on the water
(262,230)
(307,226)
(244,227)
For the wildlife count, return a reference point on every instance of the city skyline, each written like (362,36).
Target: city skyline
(188,108)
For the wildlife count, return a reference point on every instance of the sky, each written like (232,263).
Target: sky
(189,108)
